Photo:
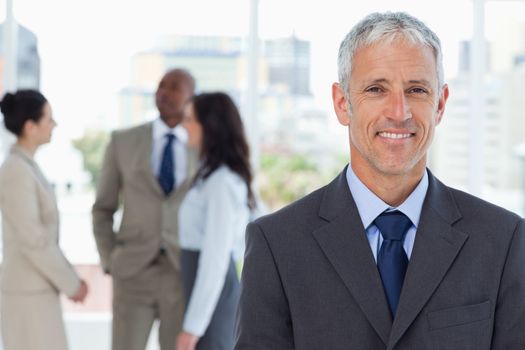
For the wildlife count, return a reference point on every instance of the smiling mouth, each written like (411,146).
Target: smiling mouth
(396,136)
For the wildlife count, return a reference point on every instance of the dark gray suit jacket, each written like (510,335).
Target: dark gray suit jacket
(310,280)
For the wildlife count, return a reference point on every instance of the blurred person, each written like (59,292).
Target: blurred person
(212,220)
(385,256)
(34,269)
(145,172)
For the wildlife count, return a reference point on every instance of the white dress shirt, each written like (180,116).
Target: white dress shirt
(159,139)
(212,219)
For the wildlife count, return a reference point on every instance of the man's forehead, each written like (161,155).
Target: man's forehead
(174,75)
(398,57)
(176,78)
(388,43)
(408,81)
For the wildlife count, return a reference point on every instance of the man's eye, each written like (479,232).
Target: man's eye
(418,90)
(374,89)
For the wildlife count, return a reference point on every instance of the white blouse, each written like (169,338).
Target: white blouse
(212,219)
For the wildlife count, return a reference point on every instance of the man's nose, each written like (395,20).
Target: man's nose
(398,107)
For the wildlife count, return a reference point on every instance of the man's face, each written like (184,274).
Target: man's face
(395,106)
(172,93)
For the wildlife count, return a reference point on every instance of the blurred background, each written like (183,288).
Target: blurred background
(98,62)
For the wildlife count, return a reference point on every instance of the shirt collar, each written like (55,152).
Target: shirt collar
(370,206)
(160,129)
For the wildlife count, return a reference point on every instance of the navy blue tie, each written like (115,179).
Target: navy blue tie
(167,166)
(392,259)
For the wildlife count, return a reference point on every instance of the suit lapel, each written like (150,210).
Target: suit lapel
(144,149)
(344,243)
(436,246)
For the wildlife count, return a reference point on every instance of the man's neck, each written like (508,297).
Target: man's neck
(171,122)
(392,189)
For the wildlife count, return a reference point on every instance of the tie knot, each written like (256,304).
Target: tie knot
(393,225)
(170,137)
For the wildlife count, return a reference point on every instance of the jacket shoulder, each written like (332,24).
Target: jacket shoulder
(481,208)
(14,166)
(479,217)
(131,132)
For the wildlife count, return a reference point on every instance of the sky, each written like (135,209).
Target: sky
(85,46)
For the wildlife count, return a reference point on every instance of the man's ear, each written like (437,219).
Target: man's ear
(442,101)
(341,105)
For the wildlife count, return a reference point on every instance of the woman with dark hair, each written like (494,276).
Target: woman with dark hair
(212,220)
(34,269)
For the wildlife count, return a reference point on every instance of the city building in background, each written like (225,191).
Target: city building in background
(289,121)
(28,60)
(503,125)
(288,64)
(28,72)
(217,63)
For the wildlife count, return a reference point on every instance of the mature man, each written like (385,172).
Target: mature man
(145,170)
(386,256)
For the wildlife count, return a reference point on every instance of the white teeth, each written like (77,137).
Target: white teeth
(391,135)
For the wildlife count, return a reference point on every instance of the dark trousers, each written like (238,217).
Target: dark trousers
(219,334)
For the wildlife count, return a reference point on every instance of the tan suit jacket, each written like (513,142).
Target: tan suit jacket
(34,270)
(32,259)
(149,218)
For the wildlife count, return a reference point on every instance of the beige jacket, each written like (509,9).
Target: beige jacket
(149,218)
(32,259)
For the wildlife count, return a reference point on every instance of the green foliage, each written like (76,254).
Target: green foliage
(284,178)
(92,145)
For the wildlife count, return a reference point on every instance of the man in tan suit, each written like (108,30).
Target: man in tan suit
(142,256)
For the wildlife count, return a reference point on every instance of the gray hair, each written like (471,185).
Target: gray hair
(385,27)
